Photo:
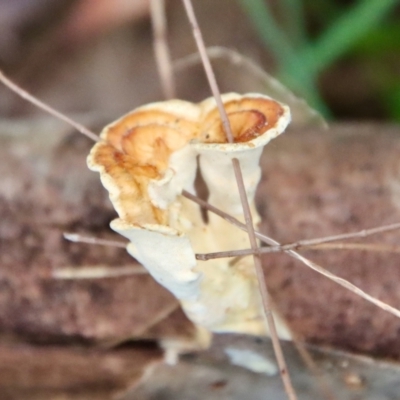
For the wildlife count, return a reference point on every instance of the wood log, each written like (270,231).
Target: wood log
(315,183)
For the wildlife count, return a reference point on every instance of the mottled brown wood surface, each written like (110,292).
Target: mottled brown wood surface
(54,372)
(314,183)
(45,190)
(317,184)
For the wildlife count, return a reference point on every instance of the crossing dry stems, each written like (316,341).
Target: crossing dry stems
(322,243)
(265,296)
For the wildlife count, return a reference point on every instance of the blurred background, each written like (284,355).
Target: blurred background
(96,56)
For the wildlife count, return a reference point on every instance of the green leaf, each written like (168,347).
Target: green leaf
(344,33)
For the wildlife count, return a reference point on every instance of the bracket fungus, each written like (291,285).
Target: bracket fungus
(148,157)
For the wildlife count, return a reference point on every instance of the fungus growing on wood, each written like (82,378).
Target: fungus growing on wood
(148,157)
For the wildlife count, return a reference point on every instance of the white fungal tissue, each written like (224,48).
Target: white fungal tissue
(148,157)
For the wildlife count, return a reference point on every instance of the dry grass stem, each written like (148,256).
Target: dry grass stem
(267,303)
(208,68)
(161,48)
(290,246)
(340,281)
(219,52)
(372,247)
(97,272)
(323,385)
(77,238)
(246,208)
(360,234)
(317,243)
(28,97)
(346,284)
(164,65)
(321,243)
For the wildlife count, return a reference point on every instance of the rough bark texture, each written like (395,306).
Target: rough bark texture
(36,373)
(46,189)
(315,183)
(319,184)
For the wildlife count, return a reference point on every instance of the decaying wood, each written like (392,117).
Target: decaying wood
(28,372)
(314,184)
(336,182)
(46,189)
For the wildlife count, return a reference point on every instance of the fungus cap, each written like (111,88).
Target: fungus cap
(148,157)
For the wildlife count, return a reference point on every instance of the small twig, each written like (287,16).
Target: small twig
(78,238)
(25,95)
(346,284)
(161,48)
(373,247)
(317,243)
(360,234)
(303,112)
(208,68)
(295,245)
(97,272)
(342,282)
(243,197)
(265,296)
(91,273)
(324,386)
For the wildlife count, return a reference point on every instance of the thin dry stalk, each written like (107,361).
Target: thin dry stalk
(161,48)
(78,238)
(274,246)
(97,272)
(208,68)
(243,197)
(324,386)
(321,244)
(360,234)
(25,95)
(342,282)
(218,52)
(373,247)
